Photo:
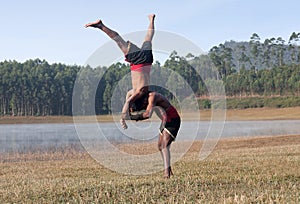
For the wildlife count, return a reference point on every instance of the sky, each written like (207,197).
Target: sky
(54,29)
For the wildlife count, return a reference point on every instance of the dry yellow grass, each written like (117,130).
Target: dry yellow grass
(251,170)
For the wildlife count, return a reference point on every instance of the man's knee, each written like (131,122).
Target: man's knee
(166,140)
(159,147)
(159,144)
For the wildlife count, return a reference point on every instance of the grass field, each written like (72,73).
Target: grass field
(249,170)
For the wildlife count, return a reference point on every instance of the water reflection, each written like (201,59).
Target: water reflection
(41,137)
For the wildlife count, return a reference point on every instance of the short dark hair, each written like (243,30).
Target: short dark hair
(139,104)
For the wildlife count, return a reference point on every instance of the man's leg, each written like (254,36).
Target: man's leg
(150,31)
(164,143)
(112,34)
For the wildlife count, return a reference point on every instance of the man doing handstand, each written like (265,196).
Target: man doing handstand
(140,60)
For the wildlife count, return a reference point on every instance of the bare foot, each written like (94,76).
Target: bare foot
(171,172)
(96,24)
(168,173)
(151,17)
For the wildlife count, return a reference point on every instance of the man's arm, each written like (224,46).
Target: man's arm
(161,113)
(125,109)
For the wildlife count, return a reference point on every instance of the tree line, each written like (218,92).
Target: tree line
(36,88)
(254,68)
(273,52)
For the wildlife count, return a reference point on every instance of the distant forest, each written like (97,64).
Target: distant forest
(248,69)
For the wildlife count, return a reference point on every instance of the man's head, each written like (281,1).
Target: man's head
(139,104)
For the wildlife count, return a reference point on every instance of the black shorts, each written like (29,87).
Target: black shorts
(141,55)
(172,127)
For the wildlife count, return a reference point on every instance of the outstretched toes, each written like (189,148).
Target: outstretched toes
(96,24)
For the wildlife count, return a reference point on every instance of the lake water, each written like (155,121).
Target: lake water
(29,137)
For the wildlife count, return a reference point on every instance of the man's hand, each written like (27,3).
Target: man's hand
(137,117)
(123,124)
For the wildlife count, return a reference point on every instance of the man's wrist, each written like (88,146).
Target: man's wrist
(125,116)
